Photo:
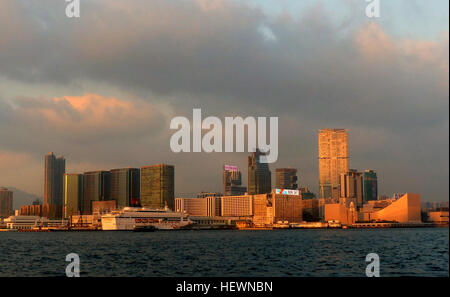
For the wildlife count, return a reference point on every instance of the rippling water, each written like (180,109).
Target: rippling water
(403,252)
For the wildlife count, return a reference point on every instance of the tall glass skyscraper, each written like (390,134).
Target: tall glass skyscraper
(96,187)
(158,186)
(73,194)
(232,181)
(370,185)
(259,175)
(55,167)
(351,186)
(125,186)
(333,160)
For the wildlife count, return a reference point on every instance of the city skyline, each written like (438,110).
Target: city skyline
(273,173)
(105,100)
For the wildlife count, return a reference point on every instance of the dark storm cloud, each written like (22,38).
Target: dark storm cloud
(312,73)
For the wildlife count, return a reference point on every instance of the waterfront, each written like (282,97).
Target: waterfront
(403,252)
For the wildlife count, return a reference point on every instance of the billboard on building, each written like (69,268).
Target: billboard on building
(230,168)
(287,192)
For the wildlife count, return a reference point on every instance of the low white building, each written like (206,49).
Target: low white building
(25,222)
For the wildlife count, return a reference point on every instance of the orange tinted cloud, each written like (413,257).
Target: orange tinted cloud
(375,45)
(91,111)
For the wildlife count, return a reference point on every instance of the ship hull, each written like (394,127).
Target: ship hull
(130,220)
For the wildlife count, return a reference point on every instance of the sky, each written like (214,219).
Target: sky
(101,89)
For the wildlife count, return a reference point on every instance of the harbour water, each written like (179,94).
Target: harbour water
(402,252)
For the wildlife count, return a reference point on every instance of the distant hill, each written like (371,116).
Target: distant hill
(22,197)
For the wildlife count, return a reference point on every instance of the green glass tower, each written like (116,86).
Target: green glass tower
(370,185)
(158,186)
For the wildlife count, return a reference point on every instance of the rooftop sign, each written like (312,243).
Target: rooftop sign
(287,192)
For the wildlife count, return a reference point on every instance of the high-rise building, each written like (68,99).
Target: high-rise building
(370,185)
(286,178)
(6,203)
(259,175)
(125,186)
(73,194)
(96,187)
(158,186)
(232,181)
(351,186)
(55,167)
(333,160)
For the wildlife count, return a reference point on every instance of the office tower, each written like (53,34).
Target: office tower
(73,194)
(6,203)
(286,178)
(333,160)
(96,187)
(158,186)
(370,185)
(125,186)
(55,167)
(259,175)
(351,186)
(232,181)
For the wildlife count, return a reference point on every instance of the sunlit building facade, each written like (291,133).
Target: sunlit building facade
(341,212)
(333,160)
(405,209)
(237,206)
(287,208)
(262,210)
(192,206)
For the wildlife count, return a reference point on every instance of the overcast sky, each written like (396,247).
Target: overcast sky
(101,89)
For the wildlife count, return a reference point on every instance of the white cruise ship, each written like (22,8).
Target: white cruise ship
(130,218)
